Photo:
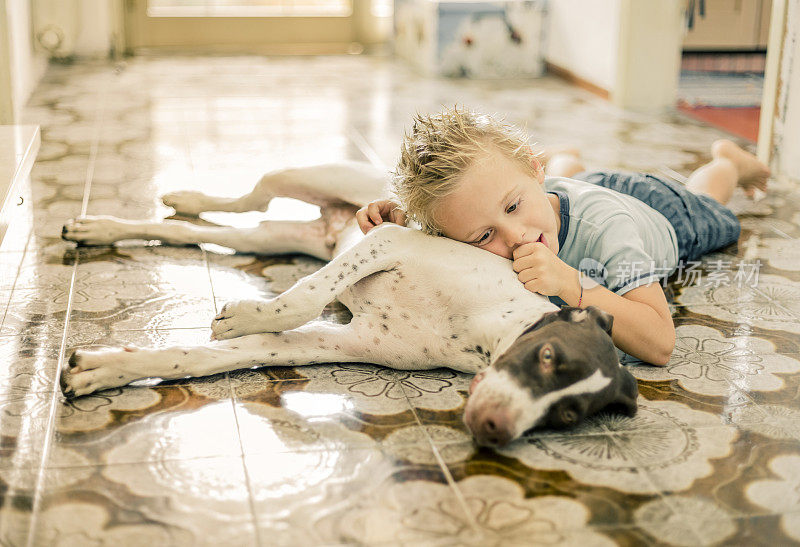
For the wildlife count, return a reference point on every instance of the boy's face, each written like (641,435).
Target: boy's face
(498,207)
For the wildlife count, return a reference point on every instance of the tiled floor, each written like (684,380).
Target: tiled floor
(354,454)
(742,122)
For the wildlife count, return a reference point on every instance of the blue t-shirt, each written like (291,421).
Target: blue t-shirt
(615,239)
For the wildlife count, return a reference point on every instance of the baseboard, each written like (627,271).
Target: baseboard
(574,79)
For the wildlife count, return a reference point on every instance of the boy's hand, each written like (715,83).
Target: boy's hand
(541,271)
(379,211)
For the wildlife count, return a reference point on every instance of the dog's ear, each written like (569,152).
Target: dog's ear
(626,395)
(605,320)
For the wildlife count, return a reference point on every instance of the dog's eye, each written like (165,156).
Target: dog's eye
(568,415)
(546,361)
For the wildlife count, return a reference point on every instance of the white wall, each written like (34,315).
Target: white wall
(86,27)
(649,54)
(582,37)
(25,66)
(630,48)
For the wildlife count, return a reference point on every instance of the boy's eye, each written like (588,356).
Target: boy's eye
(484,238)
(512,208)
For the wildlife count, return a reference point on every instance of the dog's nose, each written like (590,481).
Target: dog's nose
(475,381)
(493,428)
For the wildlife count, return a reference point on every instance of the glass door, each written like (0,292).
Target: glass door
(249,26)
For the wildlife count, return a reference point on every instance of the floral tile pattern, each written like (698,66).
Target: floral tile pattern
(706,362)
(352,453)
(666,519)
(493,508)
(82,523)
(379,390)
(666,445)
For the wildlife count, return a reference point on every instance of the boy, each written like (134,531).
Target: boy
(471,178)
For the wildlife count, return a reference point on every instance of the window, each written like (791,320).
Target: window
(249,8)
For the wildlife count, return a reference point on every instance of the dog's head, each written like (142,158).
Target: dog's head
(560,370)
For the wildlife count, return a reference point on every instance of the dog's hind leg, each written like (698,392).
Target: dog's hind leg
(380,250)
(324,185)
(320,342)
(270,237)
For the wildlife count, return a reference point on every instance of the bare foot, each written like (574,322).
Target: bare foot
(549,152)
(752,172)
(564,165)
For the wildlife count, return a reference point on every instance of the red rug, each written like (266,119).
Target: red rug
(742,122)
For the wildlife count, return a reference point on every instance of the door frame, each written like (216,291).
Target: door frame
(769,97)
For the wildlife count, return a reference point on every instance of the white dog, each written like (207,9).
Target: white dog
(418,302)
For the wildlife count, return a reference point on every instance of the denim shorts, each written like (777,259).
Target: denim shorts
(701,223)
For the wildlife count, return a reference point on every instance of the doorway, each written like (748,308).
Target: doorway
(723,63)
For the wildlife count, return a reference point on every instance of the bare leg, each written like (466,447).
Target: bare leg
(324,185)
(731,166)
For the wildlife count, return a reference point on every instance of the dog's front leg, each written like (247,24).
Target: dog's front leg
(91,370)
(378,251)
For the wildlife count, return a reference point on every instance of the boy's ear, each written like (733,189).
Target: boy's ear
(534,158)
(538,168)
(539,172)
(536,164)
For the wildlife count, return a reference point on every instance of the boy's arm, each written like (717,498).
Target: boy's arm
(643,324)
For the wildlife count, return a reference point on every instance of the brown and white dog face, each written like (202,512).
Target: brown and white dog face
(559,371)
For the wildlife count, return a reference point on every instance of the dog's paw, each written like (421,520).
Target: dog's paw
(88,371)
(240,318)
(186,202)
(73,378)
(95,230)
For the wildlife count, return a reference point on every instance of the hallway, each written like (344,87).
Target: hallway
(357,454)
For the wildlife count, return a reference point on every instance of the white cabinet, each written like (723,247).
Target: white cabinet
(19,145)
(730,25)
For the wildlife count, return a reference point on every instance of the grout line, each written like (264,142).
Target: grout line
(233,398)
(671,173)
(186,143)
(5,308)
(446,472)
(51,419)
(16,278)
(250,493)
(781,233)
(363,145)
(50,428)
(659,489)
(150,329)
(210,283)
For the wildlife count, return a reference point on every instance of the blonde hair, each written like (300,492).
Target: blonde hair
(441,147)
